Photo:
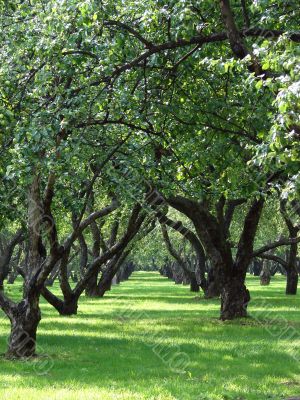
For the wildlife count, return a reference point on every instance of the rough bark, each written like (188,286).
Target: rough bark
(68,306)
(54,274)
(91,289)
(110,272)
(234,299)
(213,290)
(291,281)
(92,285)
(105,283)
(213,234)
(6,255)
(25,318)
(213,286)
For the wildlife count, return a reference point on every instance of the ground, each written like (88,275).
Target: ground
(152,339)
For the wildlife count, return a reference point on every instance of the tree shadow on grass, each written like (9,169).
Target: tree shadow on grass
(140,361)
(114,350)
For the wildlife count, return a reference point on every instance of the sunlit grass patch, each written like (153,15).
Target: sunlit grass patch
(124,346)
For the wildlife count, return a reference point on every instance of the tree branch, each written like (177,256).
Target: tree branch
(131,30)
(245,245)
(272,257)
(274,245)
(245,13)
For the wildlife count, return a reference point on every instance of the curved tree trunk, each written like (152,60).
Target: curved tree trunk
(197,278)
(234,299)
(6,256)
(26,315)
(214,239)
(108,275)
(54,274)
(25,318)
(105,282)
(68,306)
(91,289)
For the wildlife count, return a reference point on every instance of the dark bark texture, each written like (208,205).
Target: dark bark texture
(234,299)
(24,318)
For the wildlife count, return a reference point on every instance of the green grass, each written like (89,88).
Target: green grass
(110,349)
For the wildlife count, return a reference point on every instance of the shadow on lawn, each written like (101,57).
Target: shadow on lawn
(131,363)
(202,309)
(103,350)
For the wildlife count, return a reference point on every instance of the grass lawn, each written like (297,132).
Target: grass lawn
(152,339)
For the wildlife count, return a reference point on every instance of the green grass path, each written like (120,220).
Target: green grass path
(152,339)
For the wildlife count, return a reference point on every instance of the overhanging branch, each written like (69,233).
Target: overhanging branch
(274,245)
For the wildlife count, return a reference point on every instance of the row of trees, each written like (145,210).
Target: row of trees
(113,113)
(189,263)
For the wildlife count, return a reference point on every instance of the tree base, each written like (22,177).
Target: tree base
(234,300)
(194,287)
(11,356)
(22,340)
(68,309)
(212,291)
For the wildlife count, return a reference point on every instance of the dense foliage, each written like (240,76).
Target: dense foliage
(144,132)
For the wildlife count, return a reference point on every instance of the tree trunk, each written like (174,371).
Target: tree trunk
(51,278)
(185,279)
(26,315)
(91,289)
(290,264)
(194,284)
(25,318)
(265,275)
(257,267)
(115,280)
(291,281)
(104,284)
(74,277)
(213,286)
(177,280)
(234,299)
(68,306)
(213,290)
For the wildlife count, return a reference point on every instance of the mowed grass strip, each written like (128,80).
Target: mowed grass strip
(151,339)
